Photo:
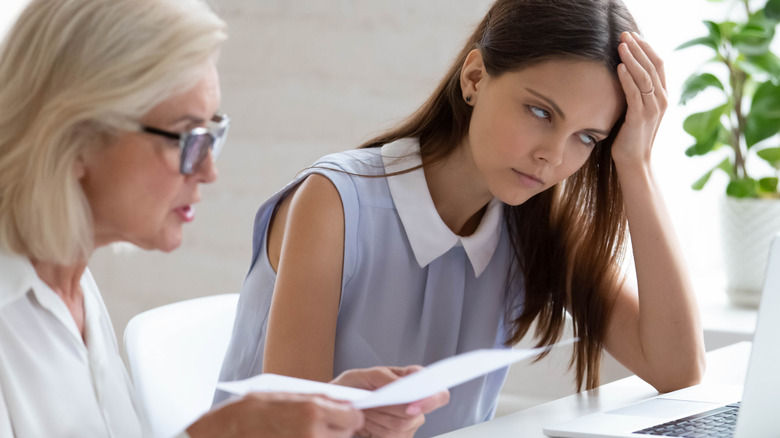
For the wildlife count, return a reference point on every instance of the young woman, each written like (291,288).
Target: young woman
(110,125)
(505,199)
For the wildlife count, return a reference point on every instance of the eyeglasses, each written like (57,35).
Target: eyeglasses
(195,144)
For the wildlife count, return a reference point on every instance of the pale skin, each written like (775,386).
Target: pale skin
(529,130)
(136,194)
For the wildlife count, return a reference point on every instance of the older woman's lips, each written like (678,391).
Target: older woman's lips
(186,213)
(528,181)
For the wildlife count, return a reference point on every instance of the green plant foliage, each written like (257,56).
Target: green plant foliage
(768,184)
(742,188)
(723,165)
(765,64)
(759,128)
(771,156)
(772,9)
(766,101)
(703,125)
(751,88)
(698,83)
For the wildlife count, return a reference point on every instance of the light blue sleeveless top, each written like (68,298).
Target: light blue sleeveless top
(413,292)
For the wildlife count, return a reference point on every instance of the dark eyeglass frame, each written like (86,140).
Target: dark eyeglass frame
(195,144)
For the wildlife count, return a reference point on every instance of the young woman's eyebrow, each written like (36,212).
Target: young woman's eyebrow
(558,111)
(549,101)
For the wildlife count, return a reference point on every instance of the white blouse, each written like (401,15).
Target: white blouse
(52,384)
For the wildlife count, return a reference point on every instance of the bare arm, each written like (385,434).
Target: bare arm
(306,247)
(655,333)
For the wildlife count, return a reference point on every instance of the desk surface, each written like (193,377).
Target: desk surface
(725,365)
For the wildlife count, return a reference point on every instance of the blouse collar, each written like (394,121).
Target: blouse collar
(18,278)
(428,235)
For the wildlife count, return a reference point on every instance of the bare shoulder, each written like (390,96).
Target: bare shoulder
(314,206)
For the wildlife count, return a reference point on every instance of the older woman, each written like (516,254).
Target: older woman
(109,124)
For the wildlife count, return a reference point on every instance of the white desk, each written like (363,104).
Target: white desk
(726,365)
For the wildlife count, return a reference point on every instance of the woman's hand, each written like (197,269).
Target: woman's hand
(643,81)
(391,421)
(277,415)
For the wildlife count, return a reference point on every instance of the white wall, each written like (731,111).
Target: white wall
(302,78)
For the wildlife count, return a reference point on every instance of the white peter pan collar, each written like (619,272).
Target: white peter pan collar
(428,235)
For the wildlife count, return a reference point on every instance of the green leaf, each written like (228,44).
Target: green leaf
(763,120)
(699,183)
(692,151)
(714,29)
(767,63)
(771,156)
(724,135)
(727,28)
(742,188)
(760,18)
(753,39)
(703,125)
(697,83)
(727,167)
(759,128)
(767,185)
(702,41)
(772,10)
(766,101)
(724,165)
(703,146)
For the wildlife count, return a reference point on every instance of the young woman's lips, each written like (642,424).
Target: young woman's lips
(527,180)
(186,213)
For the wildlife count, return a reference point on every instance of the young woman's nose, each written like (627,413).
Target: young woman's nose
(550,150)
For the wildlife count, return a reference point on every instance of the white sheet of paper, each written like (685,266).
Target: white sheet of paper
(434,378)
(276,383)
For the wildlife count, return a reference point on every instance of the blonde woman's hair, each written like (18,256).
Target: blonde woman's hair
(72,74)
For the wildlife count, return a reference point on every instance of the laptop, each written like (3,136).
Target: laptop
(707,410)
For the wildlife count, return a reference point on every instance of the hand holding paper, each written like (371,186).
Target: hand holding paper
(436,377)
(374,378)
(400,420)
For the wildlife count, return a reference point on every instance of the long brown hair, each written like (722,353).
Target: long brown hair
(578,225)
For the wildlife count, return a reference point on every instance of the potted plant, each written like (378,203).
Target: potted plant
(741,130)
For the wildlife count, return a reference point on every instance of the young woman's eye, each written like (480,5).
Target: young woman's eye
(588,139)
(538,112)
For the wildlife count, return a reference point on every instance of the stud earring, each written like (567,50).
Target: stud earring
(468,99)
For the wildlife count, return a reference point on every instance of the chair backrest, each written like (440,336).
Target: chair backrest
(175,353)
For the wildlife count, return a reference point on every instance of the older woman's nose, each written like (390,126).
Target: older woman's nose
(206,171)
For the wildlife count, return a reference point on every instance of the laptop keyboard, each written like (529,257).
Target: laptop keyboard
(719,422)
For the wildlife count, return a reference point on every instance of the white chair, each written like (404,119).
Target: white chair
(175,353)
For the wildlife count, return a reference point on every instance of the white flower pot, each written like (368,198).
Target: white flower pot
(747,227)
